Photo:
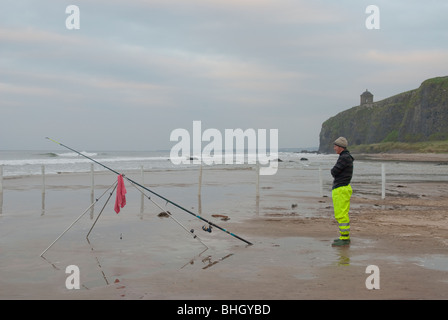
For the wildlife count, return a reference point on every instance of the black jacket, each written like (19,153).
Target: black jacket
(342,171)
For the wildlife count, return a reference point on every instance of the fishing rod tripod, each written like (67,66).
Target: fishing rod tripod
(140,187)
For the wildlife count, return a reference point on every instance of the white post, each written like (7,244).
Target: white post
(43,179)
(258,180)
(200,190)
(43,189)
(92,189)
(92,175)
(320,182)
(1,179)
(200,180)
(142,198)
(383,181)
(1,189)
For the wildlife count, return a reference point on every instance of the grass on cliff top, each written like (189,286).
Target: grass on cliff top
(402,147)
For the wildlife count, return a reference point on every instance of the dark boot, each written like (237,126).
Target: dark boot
(341,243)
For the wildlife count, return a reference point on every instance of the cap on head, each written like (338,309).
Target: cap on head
(341,142)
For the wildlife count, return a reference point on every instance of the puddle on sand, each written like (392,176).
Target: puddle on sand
(300,253)
(103,265)
(433,262)
(126,249)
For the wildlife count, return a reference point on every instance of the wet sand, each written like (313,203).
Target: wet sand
(138,255)
(412,157)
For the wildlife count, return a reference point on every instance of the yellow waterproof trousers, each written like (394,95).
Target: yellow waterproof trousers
(341,203)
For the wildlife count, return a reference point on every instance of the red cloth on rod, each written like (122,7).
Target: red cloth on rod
(120,200)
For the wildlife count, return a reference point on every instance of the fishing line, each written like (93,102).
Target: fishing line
(154,193)
(191,232)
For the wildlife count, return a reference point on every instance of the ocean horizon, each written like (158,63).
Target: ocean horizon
(30,162)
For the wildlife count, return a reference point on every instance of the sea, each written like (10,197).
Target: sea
(28,163)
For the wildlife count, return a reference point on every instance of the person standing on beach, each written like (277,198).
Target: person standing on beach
(341,192)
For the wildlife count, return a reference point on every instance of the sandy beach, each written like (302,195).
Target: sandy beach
(138,255)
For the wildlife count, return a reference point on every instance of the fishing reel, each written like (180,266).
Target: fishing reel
(207,228)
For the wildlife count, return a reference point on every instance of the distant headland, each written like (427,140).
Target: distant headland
(415,121)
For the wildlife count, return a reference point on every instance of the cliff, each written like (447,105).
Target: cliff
(413,116)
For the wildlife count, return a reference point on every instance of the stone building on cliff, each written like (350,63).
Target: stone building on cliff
(366,98)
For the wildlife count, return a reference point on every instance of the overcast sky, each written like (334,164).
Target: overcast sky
(136,70)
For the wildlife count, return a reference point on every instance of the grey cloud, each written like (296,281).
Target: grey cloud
(138,69)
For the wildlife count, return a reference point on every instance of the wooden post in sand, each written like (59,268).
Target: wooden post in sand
(258,181)
(320,182)
(92,189)
(1,189)
(383,181)
(200,190)
(142,197)
(200,180)
(1,179)
(43,189)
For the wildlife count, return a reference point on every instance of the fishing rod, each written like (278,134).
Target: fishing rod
(156,194)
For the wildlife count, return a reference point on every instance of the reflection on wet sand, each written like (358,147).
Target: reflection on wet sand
(289,223)
(212,263)
(343,255)
(98,263)
(205,262)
